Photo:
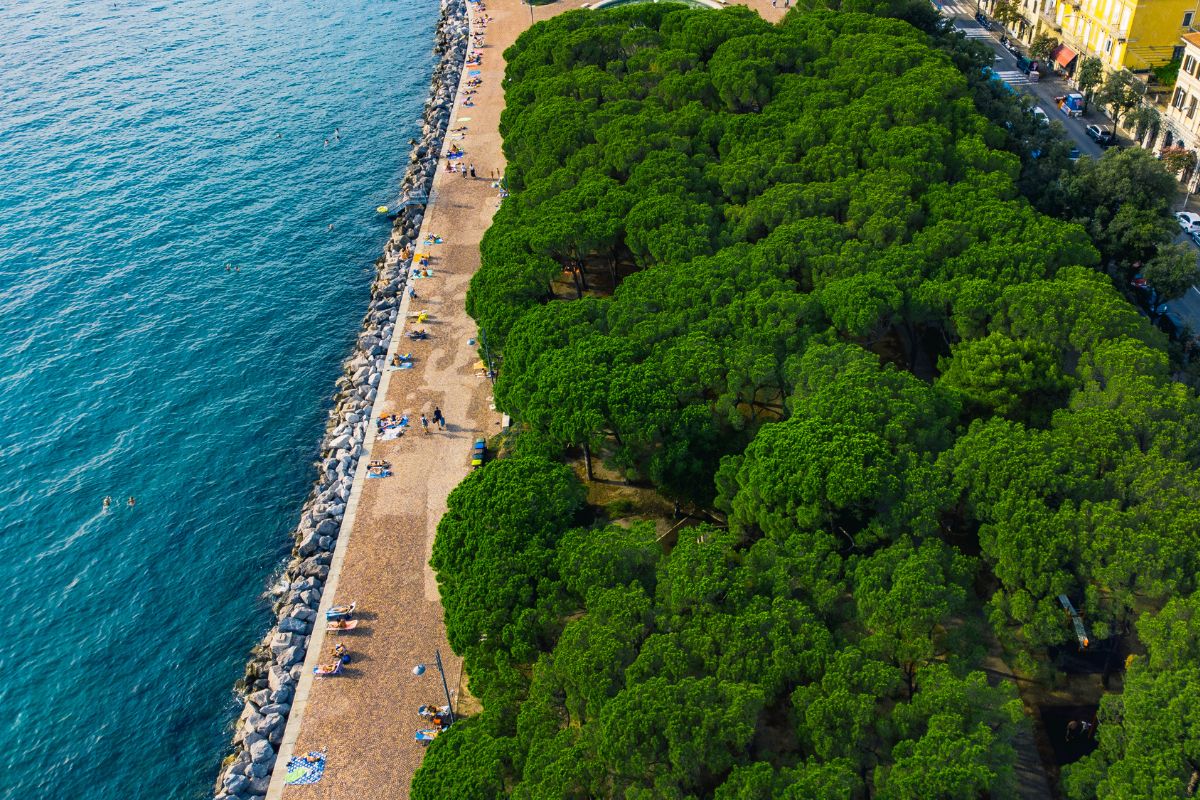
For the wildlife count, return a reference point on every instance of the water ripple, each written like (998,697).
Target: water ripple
(143,147)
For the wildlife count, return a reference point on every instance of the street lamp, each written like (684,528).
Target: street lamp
(419,670)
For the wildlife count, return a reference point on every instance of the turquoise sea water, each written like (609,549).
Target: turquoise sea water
(143,146)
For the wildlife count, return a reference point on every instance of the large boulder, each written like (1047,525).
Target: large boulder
(293,655)
(308,543)
(277,678)
(235,784)
(261,752)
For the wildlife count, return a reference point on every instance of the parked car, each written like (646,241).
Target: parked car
(1101,135)
(1026,65)
(1040,115)
(1188,220)
(1195,236)
(1074,154)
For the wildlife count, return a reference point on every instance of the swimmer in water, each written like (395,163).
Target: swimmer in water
(327,143)
(131,501)
(107,502)
(337,134)
(228,266)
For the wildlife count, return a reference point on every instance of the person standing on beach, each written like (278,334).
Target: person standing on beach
(438,418)
(472,170)
(425,422)
(412,293)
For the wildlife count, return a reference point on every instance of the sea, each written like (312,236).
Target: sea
(187,233)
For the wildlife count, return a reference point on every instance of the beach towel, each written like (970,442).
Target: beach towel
(387,473)
(301,772)
(392,433)
(400,366)
(474,72)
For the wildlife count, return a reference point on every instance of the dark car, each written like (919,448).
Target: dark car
(1102,136)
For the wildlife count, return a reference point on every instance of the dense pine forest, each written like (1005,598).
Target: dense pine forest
(831,295)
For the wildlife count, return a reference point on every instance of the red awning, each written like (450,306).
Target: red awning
(1063,56)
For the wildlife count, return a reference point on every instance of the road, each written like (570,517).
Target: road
(962,14)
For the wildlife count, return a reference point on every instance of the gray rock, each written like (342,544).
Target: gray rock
(329,527)
(251,725)
(270,723)
(311,597)
(236,783)
(277,678)
(259,770)
(325,543)
(308,545)
(293,655)
(259,786)
(302,613)
(343,440)
(293,625)
(282,641)
(283,695)
(275,708)
(259,698)
(261,752)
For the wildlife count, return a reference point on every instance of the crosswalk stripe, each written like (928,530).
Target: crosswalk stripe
(1012,77)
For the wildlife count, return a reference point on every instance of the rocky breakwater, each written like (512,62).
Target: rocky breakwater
(276,664)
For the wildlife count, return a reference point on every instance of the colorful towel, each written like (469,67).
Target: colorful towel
(301,772)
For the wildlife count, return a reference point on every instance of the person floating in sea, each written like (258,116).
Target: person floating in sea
(327,142)
(331,226)
(337,136)
(228,267)
(131,501)
(107,502)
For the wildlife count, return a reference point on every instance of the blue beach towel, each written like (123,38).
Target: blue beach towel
(301,772)
(474,72)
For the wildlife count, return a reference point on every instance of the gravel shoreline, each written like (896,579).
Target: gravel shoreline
(275,665)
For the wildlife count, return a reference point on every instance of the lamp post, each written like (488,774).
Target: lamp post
(419,670)
(487,354)
(530,3)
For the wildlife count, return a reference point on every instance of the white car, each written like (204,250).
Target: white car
(1188,220)
(1040,115)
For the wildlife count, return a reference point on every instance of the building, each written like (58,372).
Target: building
(1181,121)
(1124,34)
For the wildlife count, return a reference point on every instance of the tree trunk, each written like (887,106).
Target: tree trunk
(582,274)
(587,461)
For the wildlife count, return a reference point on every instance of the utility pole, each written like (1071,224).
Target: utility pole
(437,656)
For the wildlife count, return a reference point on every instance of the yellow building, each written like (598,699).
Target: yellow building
(1124,34)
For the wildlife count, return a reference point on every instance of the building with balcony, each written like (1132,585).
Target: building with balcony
(1124,34)
(1181,121)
